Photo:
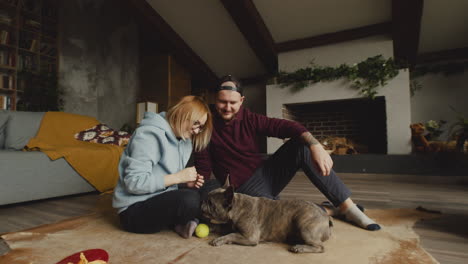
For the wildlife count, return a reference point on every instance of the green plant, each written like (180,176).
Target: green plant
(434,129)
(459,130)
(366,76)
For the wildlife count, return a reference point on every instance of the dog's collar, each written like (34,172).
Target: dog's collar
(323,208)
(216,222)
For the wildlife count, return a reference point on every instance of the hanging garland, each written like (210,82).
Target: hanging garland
(365,76)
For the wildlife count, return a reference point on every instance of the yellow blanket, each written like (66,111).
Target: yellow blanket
(97,163)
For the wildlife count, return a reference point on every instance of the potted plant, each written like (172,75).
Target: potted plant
(459,130)
(434,129)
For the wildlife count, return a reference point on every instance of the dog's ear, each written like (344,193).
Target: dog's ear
(227,183)
(228,196)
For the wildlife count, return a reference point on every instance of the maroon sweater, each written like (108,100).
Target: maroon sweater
(234,148)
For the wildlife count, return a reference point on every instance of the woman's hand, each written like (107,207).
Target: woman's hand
(321,159)
(198,183)
(187,175)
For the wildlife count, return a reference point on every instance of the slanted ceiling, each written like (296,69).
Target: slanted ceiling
(243,37)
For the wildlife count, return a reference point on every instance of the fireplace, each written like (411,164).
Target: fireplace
(382,124)
(360,121)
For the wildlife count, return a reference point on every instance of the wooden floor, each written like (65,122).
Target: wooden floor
(446,238)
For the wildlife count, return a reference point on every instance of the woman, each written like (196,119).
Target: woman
(147,196)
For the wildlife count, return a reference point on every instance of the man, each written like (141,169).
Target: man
(234,153)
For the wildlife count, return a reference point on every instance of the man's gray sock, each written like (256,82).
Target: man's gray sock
(356,216)
(335,210)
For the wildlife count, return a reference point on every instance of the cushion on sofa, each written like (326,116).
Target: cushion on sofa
(21,127)
(101,133)
(4,115)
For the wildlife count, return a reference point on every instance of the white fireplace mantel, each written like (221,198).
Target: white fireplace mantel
(397,97)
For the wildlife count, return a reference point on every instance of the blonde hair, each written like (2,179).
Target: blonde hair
(191,108)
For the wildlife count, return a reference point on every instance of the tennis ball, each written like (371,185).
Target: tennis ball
(202,230)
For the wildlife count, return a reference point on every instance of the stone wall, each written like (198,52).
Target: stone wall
(98,62)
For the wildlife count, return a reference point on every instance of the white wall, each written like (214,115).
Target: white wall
(252,93)
(438,92)
(349,52)
(396,92)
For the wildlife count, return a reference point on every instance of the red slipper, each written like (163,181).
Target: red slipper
(90,254)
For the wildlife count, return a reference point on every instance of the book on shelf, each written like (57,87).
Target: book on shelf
(32,23)
(5,37)
(5,102)
(7,58)
(5,18)
(6,81)
(28,41)
(27,62)
(33,46)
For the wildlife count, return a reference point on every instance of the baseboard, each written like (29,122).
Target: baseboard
(440,164)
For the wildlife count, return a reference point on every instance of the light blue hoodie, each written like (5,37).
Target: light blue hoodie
(152,153)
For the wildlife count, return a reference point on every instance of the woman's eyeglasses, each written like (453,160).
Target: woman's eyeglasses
(198,125)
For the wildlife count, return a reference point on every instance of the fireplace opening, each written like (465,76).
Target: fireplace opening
(360,122)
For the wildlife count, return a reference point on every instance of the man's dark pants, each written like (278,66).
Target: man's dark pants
(278,170)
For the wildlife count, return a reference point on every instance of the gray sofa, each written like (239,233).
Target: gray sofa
(27,176)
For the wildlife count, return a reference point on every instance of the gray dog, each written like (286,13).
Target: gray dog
(257,219)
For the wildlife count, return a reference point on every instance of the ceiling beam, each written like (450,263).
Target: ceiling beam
(183,54)
(254,80)
(445,55)
(406,21)
(336,37)
(250,23)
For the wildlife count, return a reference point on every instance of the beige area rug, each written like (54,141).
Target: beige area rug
(395,243)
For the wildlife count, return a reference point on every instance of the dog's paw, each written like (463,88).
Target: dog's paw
(218,242)
(307,249)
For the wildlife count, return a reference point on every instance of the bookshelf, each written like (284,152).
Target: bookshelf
(28,50)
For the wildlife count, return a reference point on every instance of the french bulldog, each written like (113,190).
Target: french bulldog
(256,219)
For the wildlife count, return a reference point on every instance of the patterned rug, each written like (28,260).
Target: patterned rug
(395,243)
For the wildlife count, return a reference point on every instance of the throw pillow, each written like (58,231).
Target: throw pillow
(22,126)
(103,134)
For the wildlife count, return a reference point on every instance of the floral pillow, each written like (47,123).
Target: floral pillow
(103,134)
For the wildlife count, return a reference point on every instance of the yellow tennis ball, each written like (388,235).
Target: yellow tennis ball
(202,230)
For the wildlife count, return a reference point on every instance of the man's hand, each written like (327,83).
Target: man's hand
(321,159)
(198,183)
